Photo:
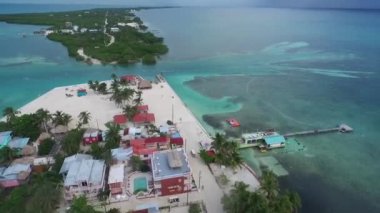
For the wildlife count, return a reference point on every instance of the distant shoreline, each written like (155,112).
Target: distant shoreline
(109,35)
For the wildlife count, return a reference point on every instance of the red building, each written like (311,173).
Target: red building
(171,172)
(144,148)
(120,119)
(92,136)
(139,119)
(143,109)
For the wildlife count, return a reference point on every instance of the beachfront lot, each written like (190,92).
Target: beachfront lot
(162,101)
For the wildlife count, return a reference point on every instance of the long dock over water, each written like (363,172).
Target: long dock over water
(340,128)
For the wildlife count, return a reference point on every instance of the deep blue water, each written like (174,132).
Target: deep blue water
(271,68)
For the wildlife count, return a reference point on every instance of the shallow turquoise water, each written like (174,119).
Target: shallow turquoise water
(270,68)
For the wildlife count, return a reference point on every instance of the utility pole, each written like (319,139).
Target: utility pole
(199,179)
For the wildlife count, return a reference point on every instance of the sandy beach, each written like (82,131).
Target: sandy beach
(165,104)
(86,57)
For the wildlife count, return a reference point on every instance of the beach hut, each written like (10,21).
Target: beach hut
(274,141)
(130,79)
(144,84)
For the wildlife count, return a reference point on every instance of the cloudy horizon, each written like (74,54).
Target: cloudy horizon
(369,4)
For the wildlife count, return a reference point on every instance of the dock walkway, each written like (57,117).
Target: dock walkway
(340,128)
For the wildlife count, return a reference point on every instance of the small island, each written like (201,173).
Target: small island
(107,36)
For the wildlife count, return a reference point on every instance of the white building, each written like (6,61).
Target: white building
(133,24)
(115,29)
(116,180)
(82,176)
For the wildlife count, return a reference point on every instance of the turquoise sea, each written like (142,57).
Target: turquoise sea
(285,69)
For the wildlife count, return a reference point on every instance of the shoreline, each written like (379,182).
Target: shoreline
(88,58)
(102,110)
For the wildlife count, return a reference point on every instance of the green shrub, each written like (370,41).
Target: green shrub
(149,59)
(45,147)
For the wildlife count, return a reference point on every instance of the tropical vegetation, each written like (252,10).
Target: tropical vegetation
(130,45)
(226,152)
(45,147)
(269,198)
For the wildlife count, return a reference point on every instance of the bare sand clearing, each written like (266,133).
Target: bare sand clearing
(165,104)
(86,57)
(101,108)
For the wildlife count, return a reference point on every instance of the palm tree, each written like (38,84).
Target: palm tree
(117,98)
(61,118)
(269,185)
(66,119)
(10,113)
(57,118)
(127,94)
(91,85)
(114,76)
(84,117)
(138,100)
(46,197)
(44,116)
(218,142)
(295,199)
(96,85)
(115,85)
(130,112)
(112,135)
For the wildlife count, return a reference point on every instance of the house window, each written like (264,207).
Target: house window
(145,156)
(84,183)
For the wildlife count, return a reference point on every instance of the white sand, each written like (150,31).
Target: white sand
(101,109)
(86,57)
(162,101)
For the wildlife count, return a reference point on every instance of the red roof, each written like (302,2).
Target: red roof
(144,118)
(176,141)
(143,108)
(128,78)
(144,151)
(157,140)
(138,142)
(120,119)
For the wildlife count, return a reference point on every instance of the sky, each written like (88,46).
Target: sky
(269,3)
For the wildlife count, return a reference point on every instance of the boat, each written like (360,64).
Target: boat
(233,122)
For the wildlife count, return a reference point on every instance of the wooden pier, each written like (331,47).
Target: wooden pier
(344,128)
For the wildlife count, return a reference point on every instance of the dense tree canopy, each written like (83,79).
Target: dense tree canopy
(131,44)
(267,199)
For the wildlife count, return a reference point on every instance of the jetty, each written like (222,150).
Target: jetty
(269,139)
(344,128)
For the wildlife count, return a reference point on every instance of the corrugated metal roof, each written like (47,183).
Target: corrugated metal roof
(121,153)
(12,171)
(74,158)
(161,168)
(18,143)
(90,171)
